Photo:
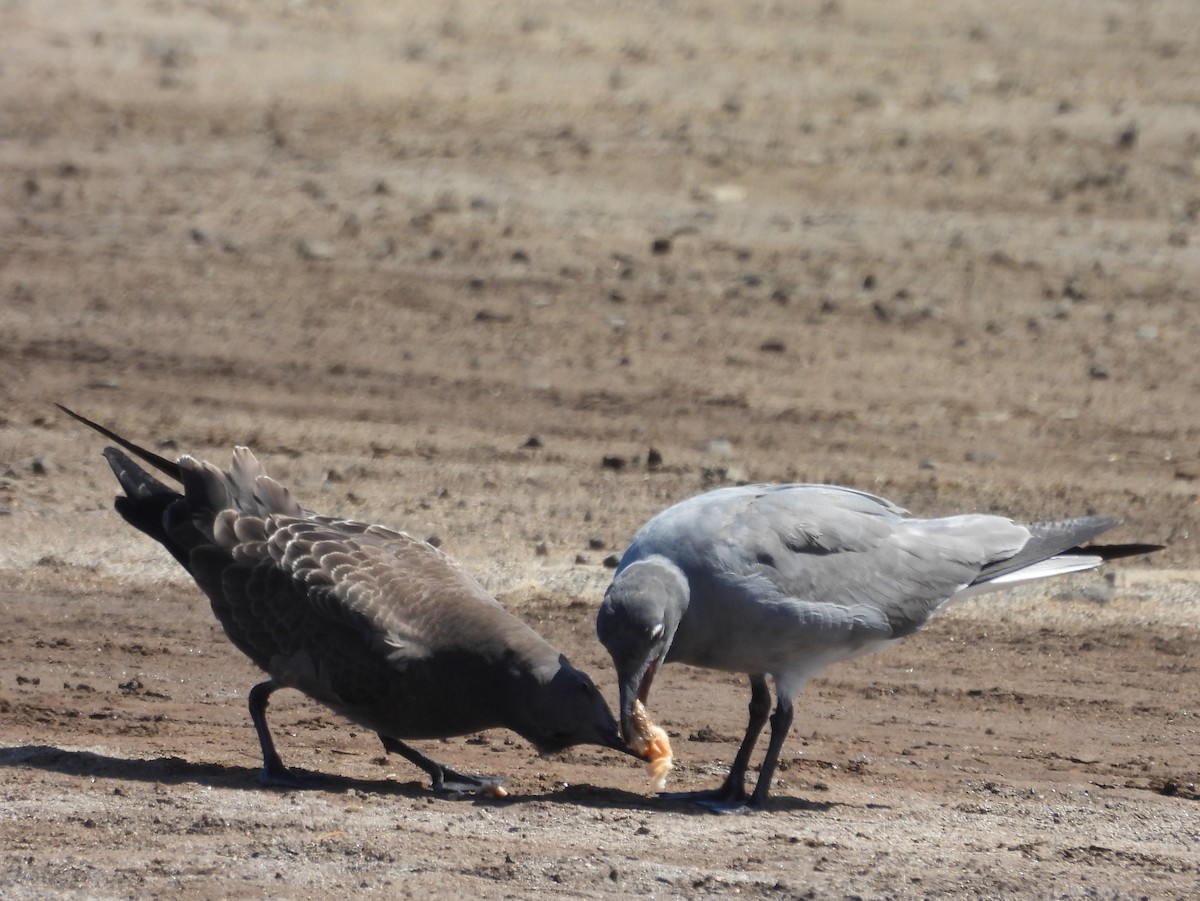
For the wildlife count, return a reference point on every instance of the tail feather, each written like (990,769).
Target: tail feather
(1048,539)
(148,505)
(136,482)
(1055,548)
(1052,566)
(162,464)
(182,520)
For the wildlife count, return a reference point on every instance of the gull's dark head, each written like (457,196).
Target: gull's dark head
(567,709)
(637,623)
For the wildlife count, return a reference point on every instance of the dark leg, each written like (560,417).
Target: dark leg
(781,724)
(732,793)
(273,771)
(734,787)
(445,780)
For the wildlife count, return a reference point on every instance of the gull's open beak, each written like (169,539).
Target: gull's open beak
(635,686)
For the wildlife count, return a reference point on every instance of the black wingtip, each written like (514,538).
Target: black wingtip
(1116,551)
(162,464)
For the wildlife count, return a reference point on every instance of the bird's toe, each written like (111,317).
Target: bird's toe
(282,777)
(719,800)
(454,783)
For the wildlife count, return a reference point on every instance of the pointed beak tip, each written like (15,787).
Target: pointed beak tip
(619,746)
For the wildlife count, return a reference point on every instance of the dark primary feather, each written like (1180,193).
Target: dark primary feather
(162,464)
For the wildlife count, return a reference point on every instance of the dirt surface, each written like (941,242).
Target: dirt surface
(518,275)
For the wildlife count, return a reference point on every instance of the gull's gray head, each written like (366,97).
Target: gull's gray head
(636,624)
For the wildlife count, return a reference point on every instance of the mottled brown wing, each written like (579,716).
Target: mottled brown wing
(341,610)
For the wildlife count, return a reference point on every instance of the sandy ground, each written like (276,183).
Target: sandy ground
(518,275)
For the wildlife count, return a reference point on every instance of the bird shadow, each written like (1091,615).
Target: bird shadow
(584,795)
(177,771)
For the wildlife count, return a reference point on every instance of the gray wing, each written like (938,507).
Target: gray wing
(833,560)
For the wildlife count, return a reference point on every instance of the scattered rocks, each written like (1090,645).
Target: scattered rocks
(1128,137)
(492,316)
(315,251)
(903,309)
(724,475)
(1099,367)
(1073,290)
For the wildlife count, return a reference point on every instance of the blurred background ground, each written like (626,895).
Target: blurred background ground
(519,275)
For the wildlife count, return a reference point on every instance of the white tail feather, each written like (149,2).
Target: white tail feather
(1053,566)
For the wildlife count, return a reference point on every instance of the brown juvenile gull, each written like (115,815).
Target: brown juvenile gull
(783,580)
(378,626)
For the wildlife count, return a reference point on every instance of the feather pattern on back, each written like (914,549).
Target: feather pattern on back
(370,621)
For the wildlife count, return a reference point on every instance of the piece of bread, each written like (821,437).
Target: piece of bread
(651,742)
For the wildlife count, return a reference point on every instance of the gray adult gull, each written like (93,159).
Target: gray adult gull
(784,580)
(380,627)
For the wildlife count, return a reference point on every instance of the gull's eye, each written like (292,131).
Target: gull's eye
(656,632)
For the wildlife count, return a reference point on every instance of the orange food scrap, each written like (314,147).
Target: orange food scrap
(651,742)
(496,791)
